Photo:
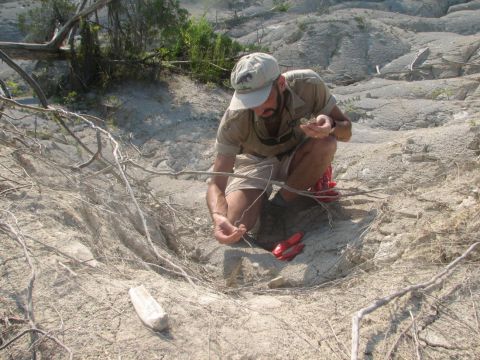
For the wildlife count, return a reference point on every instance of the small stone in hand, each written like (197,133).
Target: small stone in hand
(305,121)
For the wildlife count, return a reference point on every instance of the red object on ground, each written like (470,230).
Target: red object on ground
(282,252)
(323,186)
(294,251)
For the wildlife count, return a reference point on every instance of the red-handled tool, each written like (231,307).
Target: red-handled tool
(323,188)
(288,249)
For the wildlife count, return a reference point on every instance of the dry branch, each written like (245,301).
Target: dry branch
(415,337)
(7,228)
(95,156)
(52,49)
(89,119)
(385,300)
(119,163)
(266,181)
(38,90)
(17,236)
(34,330)
(60,113)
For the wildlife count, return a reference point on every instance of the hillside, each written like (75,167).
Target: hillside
(78,230)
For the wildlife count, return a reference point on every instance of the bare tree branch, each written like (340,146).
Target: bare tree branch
(385,300)
(52,49)
(415,337)
(60,113)
(11,341)
(95,156)
(38,90)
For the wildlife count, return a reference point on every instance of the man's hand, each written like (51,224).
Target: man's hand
(225,232)
(318,128)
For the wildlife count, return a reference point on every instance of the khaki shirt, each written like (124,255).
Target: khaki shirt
(242,132)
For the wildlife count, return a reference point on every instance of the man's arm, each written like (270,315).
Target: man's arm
(343,125)
(216,201)
(225,232)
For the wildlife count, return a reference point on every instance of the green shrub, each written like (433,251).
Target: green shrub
(13,87)
(211,56)
(442,94)
(281,5)
(141,38)
(139,26)
(70,98)
(361,22)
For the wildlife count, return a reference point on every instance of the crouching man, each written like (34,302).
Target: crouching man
(261,135)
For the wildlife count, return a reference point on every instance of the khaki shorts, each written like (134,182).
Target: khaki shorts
(265,168)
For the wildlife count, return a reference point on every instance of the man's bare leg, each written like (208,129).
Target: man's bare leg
(309,164)
(244,207)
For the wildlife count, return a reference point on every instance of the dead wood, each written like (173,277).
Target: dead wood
(17,236)
(267,181)
(118,163)
(415,337)
(59,114)
(12,232)
(52,50)
(38,90)
(35,330)
(428,285)
(95,156)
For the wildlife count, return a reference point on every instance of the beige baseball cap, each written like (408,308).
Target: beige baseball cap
(252,78)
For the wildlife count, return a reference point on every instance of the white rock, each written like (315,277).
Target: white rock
(148,309)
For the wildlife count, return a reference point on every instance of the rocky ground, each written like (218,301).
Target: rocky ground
(408,75)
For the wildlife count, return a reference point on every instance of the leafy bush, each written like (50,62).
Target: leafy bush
(138,26)
(281,5)
(211,55)
(140,37)
(13,87)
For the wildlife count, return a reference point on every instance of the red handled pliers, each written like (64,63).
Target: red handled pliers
(288,249)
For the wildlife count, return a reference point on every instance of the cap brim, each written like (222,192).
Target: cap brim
(251,99)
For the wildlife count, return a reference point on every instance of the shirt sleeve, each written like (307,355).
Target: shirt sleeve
(324,101)
(310,87)
(231,133)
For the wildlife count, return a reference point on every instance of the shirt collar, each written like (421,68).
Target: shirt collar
(293,100)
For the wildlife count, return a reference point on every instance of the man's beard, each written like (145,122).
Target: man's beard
(276,112)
